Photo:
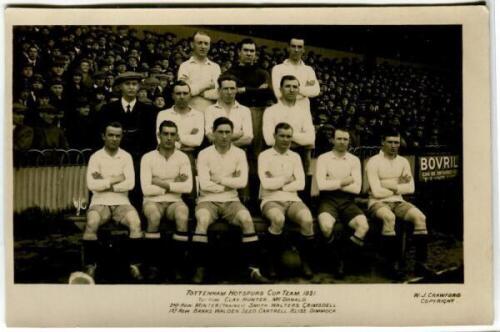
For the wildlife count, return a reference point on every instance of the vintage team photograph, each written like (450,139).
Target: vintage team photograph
(237,154)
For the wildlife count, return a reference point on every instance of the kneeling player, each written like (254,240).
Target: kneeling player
(222,170)
(338,175)
(110,176)
(165,175)
(281,175)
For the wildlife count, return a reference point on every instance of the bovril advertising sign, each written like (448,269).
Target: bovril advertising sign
(438,167)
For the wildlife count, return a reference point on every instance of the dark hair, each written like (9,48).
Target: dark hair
(298,37)
(114,124)
(246,41)
(180,83)
(341,128)
(201,33)
(288,78)
(389,131)
(168,124)
(282,125)
(227,77)
(222,121)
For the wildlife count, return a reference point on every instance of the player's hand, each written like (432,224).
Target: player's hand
(391,186)
(237,135)
(210,85)
(347,181)
(236,173)
(97,176)
(181,178)
(310,82)
(290,179)
(117,179)
(216,178)
(405,178)
(264,86)
(194,131)
(268,174)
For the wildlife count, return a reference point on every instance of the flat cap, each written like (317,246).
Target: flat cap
(128,76)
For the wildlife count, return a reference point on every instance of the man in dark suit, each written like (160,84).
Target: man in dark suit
(138,119)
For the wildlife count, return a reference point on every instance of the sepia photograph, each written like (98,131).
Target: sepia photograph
(256,167)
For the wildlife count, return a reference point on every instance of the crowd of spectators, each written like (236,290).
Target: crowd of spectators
(63,75)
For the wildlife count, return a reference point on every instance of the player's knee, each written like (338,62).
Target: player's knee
(246,222)
(326,223)
(181,218)
(134,224)
(419,221)
(92,225)
(277,220)
(153,222)
(202,221)
(360,225)
(306,222)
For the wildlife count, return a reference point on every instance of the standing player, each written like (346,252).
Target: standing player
(165,175)
(228,107)
(309,85)
(200,73)
(338,175)
(281,176)
(110,176)
(389,176)
(222,169)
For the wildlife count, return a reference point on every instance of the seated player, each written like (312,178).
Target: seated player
(165,175)
(222,170)
(338,174)
(389,176)
(110,176)
(281,176)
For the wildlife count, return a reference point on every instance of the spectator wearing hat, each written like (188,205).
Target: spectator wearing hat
(57,69)
(120,66)
(57,96)
(47,135)
(109,83)
(81,129)
(23,78)
(22,134)
(85,68)
(200,73)
(75,87)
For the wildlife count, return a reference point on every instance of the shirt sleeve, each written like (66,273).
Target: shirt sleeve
(186,186)
(276,77)
(129,182)
(298,173)
(355,187)
(241,180)
(376,188)
(96,185)
(203,169)
(268,126)
(193,140)
(148,188)
(321,176)
(209,120)
(312,90)
(406,188)
(247,126)
(268,183)
(213,94)
(307,135)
